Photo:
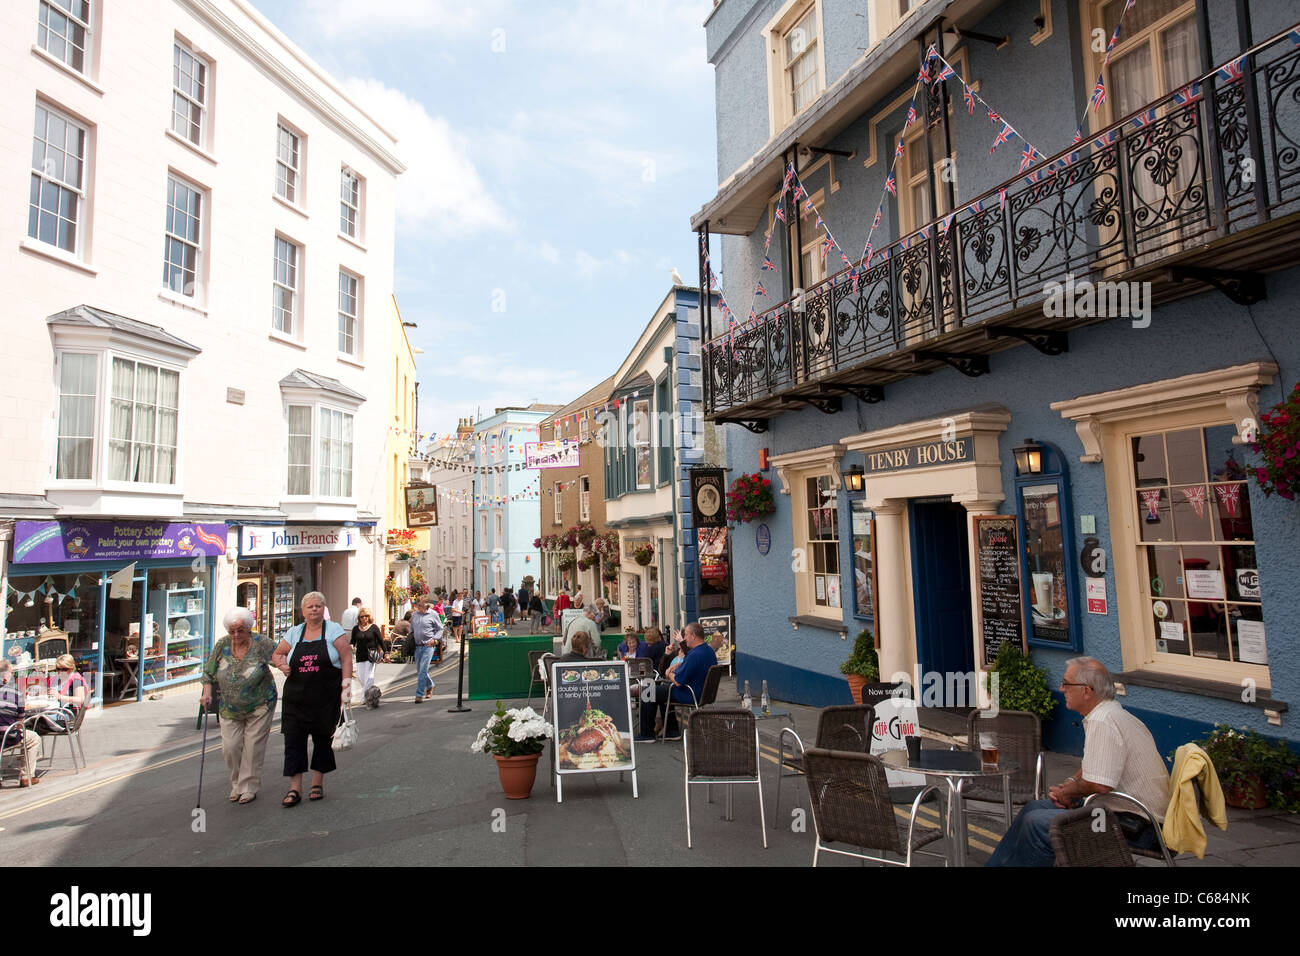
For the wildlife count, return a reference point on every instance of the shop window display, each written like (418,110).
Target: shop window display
(48,615)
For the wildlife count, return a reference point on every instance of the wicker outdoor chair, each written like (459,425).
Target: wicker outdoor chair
(1077,841)
(708,694)
(1119,802)
(721,746)
(1020,739)
(838,728)
(535,675)
(851,804)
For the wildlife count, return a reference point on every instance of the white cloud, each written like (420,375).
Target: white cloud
(548,253)
(353,18)
(441,190)
(587,266)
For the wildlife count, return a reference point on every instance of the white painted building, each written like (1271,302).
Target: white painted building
(197,327)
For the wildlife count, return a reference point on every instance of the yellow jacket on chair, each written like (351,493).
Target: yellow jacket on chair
(1182,831)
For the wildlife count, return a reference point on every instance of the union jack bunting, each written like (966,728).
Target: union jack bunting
(1232,72)
(1003,135)
(1098,94)
(994,117)
(866,259)
(875,222)
(911,115)
(970,99)
(945,73)
(853,276)
(798,192)
(1192,92)
(1142,119)
(767,264)
(780,212)
(923,76)
(946,224)
(1035,176)
(1027,157)
(1078,137)
(1294,37)
(924,232)
(1129,5)
(827,245)
(820,222)
(1105,139)
(898,150)
(753,316)
(760,290)
(977,206)
(845,259)
(884,255)
(807,208)
(789,177)
(1002,198)
(890,188)
(767,240)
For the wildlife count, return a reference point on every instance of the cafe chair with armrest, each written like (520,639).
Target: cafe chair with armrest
(721,746)
(67,724)
(851,805)
(838,728)
(1089,836)
(12,748)
(1020,740)
(1121,804)
(708,695)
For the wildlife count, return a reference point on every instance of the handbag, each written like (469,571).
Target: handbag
(376,655)
(345,734)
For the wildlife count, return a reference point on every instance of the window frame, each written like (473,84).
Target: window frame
(794,470)
(80,218)
(136,362)
(357,234)
(296,311)
(642,440)
(169,236)
(1093,18)
(296,183)
(663,422)
(584,498)
(89,35)
(557,490)
(97,414)
(358,283)
(324,443)
(781,109)
(182,48)
(316,460)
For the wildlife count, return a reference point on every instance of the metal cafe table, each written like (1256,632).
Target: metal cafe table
(956,767)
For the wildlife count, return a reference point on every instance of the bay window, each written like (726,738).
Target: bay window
(142,429)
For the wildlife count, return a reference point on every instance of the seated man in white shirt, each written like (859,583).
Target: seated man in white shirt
(1119,753)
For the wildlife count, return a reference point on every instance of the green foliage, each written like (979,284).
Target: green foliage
(1241,757)
(863,661)
(1021,685)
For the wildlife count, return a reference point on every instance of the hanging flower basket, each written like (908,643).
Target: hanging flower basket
(586,535)
(643,554)
(1278,445)
(566,561)
(750,498)
(609,572)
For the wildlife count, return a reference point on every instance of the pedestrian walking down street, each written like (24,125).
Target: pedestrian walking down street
(457,613)
(494,605)
(562,604)
(535,611)
(317,659)
(366,638)
(522,599)
(508,604)
(240,668)
(426,628)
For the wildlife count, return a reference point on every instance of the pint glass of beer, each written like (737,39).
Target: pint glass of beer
(988,750)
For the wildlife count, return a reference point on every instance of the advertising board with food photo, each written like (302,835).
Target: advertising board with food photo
(593,717)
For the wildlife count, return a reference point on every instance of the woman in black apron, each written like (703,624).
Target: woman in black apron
(313,695)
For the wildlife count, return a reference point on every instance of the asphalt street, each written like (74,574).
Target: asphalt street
(410,794)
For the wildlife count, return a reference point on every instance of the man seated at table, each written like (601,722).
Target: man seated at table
(1119,753)
(586,624)
(579,648)
(690,672)
(13,734)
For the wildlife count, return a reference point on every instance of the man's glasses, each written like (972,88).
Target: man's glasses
(1071,683)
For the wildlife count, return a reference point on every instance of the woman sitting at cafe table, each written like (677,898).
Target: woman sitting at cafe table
(72,693)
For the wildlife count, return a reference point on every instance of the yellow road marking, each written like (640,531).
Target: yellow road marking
(55,798)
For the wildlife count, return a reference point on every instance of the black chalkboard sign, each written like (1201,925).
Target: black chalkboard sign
(999,577)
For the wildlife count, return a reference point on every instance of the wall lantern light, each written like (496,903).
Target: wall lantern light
(854,478)
(1029,457)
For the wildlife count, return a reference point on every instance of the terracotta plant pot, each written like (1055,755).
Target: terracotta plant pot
(856,684)
(1249,797)
(517,775)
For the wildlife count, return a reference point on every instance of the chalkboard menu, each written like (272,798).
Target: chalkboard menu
(999,577)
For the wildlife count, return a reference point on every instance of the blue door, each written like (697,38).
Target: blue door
(941,588)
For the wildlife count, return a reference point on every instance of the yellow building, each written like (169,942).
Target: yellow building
(402,443)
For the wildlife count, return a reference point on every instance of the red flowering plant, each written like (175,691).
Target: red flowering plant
(750,498)
(1278,445)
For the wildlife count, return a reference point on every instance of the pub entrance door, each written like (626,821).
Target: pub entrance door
(941,590)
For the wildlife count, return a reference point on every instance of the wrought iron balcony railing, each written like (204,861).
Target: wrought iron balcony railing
(1171,184)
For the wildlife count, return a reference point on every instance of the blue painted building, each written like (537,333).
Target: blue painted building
(1079,346)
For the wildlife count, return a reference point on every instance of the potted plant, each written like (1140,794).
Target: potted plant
(566,561)
(643,554)
(1278,445)
(1020,684)
(586,561)
(1255,772)
(515,738)
(863,666)
(586,534)
(609,572)
(749,498)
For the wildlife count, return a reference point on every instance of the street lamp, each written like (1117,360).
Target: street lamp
(1029,457)
(854,478)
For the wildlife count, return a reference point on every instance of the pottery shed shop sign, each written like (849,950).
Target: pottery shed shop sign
(53,541)
(926,454)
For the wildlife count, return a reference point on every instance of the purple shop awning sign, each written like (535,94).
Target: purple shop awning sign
(42,542)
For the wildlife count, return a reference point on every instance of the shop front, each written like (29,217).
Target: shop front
(129,600)
(280,564)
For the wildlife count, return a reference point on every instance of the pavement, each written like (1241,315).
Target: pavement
(412,793)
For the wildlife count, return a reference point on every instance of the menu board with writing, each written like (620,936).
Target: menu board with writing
(999,583)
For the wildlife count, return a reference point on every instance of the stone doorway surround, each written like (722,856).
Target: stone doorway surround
(975,483)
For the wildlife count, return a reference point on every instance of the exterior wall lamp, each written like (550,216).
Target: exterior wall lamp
(1029,457)
(854,479)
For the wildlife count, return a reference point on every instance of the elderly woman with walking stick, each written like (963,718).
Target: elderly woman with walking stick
(240,668)
(317,659)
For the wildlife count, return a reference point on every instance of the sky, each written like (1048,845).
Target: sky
(555,154)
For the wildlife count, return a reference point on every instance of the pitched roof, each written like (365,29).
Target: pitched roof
(301,378)
(593,396)
(91,317)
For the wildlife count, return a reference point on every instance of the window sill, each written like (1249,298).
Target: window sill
(288,205)
(182,301)
(197,150)
(85,81)
(1222,690)
(353,242)
(349,360)
(55,254)
(835,625)
(276,336)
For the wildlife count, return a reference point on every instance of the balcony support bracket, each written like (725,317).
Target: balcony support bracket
(867,394)
(1243,288)
(970,365)
(1047,341)
(755,425)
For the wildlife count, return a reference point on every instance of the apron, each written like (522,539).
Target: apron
(313,691)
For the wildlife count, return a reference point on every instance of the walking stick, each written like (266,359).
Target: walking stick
(203,713)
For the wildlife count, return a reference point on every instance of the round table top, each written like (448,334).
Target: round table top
(947,763)
(39,703)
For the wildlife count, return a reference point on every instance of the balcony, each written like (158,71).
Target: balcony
(1200,189)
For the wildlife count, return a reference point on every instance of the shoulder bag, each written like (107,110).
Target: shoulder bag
(345,734)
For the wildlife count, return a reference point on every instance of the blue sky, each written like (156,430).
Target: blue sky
(556,152)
